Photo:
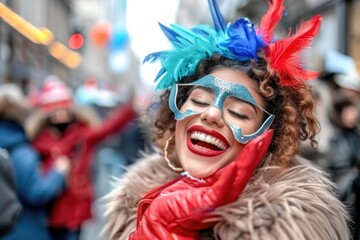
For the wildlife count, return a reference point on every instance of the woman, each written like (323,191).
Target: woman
(61,128)
(232,115)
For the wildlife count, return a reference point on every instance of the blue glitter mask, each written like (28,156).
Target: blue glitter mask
(210,91)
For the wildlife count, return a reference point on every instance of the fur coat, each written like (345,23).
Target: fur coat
(297,203)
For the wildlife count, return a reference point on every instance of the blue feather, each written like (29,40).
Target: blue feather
(184,33)
(153,57)
(160,73)
(169,33)
(218,19)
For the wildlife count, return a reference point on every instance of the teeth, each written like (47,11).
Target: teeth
(208,139)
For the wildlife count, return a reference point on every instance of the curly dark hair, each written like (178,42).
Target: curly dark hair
(293,107)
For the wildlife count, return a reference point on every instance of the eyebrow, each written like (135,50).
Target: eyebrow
(207,89)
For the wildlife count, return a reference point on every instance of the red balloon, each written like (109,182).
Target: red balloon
(76,41)
(100,34)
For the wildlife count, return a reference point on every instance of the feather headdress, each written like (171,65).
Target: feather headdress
(239,41)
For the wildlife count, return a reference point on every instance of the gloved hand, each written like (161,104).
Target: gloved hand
(179,209)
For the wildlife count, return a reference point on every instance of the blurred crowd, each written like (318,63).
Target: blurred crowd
(61,148)
(337,95)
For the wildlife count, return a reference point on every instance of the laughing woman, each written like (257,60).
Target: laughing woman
(234,109)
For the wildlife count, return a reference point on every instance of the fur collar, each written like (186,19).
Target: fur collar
(13,108)
(296,203)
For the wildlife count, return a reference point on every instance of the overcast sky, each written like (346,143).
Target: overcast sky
(142,23)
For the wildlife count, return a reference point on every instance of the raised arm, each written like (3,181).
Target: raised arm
(114,123)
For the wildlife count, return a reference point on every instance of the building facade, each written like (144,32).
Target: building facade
(21,59)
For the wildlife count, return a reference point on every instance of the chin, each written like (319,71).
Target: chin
(200,174)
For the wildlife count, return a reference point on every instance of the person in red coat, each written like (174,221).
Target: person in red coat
(59,128)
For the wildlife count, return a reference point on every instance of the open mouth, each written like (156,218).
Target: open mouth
(206,143)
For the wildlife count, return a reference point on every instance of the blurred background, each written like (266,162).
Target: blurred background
(106,40)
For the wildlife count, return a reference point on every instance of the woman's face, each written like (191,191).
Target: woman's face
(60,116)
(204,142)
(349,116)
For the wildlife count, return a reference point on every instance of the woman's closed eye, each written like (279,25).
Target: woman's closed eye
(200,102)
(201,97)
(238,114)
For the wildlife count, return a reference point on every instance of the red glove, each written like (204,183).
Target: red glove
(179,209)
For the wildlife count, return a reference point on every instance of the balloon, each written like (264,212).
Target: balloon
(100,34)
(119,38)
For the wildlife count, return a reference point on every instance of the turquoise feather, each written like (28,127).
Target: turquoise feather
(236,41)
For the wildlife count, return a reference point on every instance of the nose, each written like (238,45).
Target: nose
(213,115)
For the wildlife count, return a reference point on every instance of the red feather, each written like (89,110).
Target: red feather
(271,19)
(284,55)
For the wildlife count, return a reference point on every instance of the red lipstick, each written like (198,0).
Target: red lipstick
(203,151)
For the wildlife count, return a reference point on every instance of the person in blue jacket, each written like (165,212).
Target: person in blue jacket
(10,207)
(35,190)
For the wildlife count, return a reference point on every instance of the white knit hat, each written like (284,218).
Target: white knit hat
(348,81)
